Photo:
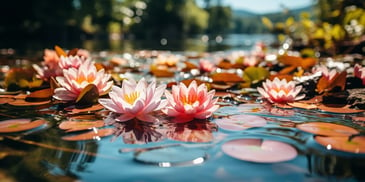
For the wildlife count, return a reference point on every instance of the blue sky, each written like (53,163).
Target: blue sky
(265,6)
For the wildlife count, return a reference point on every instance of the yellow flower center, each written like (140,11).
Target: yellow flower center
(131,97)
(189,99)
(278,89)
(82,78)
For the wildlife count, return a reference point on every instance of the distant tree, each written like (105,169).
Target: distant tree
(172,19)
(220,19)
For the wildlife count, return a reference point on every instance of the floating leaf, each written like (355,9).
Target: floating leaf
(221,86)
(18,78)
(40,95)
(339,80)
(355,145)
(303,105)
(21,102)
(293,62)
(17,125)
(95,107)
(95,134)
(189,66)
(339,110)
(161,71)
(253,75)
(259,150)
(88,96)
(71,126)
(327,129)
(240,122)
(4,100)
(226,77)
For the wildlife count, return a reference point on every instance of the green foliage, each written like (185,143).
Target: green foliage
(218,23)
(338,21)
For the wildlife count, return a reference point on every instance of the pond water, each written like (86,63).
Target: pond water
(199,43)
(246,139)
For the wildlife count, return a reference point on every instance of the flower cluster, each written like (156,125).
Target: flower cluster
(53,64)
(139,100)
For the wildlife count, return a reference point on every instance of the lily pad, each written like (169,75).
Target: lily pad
(95,134)
(327,129)
(40,95)
(4,100)
(18,125)
(339,110)
(258,150)
(21,102)
(341,143)
(71,126)
(241,122)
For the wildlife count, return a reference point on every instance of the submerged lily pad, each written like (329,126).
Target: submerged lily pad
(240,122)
(327,129)
(258,150)
(18,125)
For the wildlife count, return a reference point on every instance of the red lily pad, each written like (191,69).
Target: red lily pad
(17,125)
(40,95)
(241,122)
(302,105)
(327,129)
(4,100)
(95,134)
(258,150)
(71,126)
(327,85)
(95,107)
(226,77)
(339,110)
(341,143)
(20,102)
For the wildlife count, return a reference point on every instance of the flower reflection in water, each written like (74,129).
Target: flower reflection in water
(137,132)
(198,131)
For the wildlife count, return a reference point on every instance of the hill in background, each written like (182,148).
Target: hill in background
(249,22)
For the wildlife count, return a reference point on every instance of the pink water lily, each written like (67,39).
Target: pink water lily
(49,66)
(329,74)
(187,103)
(206,66)
(359,72)
(280,91)
(75,80)
(71,62)
(135,100)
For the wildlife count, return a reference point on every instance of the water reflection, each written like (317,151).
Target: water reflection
(137,132)
(197,131)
